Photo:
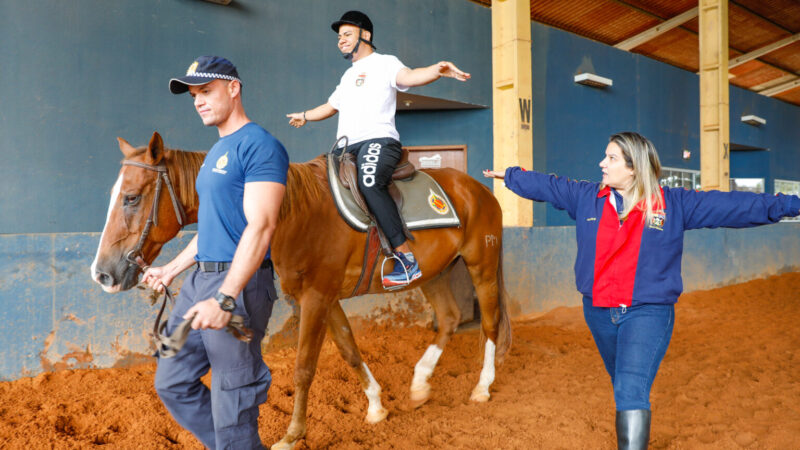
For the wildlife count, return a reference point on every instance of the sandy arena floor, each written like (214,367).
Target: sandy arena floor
(731,379)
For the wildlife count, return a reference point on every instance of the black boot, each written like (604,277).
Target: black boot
(633,429)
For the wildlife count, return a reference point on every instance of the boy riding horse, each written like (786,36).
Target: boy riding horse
(366,97)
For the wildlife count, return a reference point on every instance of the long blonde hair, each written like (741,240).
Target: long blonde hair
(641,156)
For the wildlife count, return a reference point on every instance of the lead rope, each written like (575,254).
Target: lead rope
(169,346)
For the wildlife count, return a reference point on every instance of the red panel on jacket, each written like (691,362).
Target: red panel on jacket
(616,256)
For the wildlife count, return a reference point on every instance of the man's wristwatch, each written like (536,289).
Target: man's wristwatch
(226,302)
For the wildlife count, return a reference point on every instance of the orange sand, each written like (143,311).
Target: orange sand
(731,379)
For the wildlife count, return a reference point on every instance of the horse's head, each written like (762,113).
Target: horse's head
(140,219)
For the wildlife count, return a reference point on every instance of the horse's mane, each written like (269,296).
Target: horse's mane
(306,182)
(182,168)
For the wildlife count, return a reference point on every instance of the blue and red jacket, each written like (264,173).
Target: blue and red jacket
(632,262)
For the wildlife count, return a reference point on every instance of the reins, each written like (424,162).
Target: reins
(169,346)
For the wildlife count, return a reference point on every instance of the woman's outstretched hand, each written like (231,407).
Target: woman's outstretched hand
(494,173)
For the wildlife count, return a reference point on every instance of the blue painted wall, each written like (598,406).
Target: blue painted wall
(55,317)
(82,73)
(539,261)
(466,127)
(77,74)
(572,122)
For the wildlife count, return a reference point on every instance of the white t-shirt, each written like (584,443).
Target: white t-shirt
(366,99)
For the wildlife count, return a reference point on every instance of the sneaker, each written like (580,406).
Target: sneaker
(404,272)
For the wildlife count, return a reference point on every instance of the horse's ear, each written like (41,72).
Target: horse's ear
(155,150)
(126,148)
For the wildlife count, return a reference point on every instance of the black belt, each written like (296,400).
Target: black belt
(215,266)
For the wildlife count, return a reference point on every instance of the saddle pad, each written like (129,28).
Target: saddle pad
(425,204)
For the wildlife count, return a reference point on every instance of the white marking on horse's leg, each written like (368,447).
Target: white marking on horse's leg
(420,389)
(282,446)
(114,194)
(375,411)
(481,391)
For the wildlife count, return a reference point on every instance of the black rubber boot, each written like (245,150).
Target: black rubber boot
(633,429)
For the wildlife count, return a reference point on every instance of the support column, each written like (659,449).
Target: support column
(511,101)
(714,102)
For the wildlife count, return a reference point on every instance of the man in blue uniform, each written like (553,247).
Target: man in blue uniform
(240,186)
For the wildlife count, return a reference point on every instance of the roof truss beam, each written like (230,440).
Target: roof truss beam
(781,88)
(757,53)
(774,82)
(657,30)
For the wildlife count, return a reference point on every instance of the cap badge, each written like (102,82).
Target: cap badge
(191,68)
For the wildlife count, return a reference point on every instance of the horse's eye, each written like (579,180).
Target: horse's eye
(131,200)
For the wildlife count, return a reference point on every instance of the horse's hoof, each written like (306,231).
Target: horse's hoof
(287,443)
(417,403)
(282,446)
(374,417)
(480,394)
(419,396)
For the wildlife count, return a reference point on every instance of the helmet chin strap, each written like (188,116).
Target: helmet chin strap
(349,56)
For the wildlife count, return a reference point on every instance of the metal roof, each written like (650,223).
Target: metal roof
(771,27)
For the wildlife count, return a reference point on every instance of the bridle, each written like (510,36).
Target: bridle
(152,219)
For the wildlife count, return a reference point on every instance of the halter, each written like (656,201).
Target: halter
(180,214)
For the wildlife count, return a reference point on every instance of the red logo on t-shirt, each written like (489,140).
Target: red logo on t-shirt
(360,79)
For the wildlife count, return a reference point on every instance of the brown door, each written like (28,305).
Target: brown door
(437,156)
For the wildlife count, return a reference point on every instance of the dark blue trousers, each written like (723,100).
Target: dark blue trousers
(224,417)
(632,342)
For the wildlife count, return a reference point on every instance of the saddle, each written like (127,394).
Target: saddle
(420,200)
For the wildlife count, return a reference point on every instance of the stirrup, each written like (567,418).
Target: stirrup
(399,286)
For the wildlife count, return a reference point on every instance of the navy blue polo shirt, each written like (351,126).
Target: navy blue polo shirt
(249,154)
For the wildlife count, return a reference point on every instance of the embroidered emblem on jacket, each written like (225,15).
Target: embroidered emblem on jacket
(657,222)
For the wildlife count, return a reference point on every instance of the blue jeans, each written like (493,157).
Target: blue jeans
(632,342)
(224,417)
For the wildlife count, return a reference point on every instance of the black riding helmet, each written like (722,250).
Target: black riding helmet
(359,19)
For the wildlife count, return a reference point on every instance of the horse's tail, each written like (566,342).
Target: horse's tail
(503,323)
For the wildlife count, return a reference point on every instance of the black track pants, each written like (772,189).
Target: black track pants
(376,160)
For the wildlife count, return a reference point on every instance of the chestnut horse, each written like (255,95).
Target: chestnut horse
(318,259)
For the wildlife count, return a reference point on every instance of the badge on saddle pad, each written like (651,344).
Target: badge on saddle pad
(437,203)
